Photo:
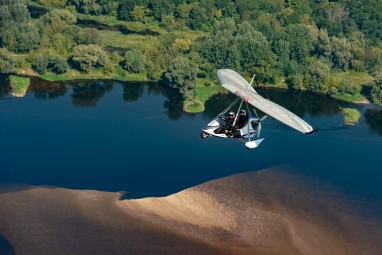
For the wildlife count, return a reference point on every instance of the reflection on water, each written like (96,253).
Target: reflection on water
(5,87)
(132,92)
(374,120)
(88,94)
(44,90)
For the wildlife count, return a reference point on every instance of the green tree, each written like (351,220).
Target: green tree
(13,12)
(88,36)
(181,75)
(40,64)
(198,18)
(138,13)
(160,8)
(86,56)
(94,7)
(7,63)
(341,53)
(299,9)
(58,65)
(134,61)
(241,47)
(21,37)
(16,34)
(376,91)
(125,8)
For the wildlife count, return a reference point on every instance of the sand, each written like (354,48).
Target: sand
(265,212)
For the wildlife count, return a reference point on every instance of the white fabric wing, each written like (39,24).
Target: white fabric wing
(235,83)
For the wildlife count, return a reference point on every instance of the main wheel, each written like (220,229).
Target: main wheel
(204,135)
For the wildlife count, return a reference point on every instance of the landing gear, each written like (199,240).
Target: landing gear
(204,135)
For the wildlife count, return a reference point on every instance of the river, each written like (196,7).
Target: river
(134,137)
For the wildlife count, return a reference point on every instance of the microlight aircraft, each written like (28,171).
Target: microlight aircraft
(249,133)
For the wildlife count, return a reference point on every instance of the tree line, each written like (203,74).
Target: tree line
(302,43)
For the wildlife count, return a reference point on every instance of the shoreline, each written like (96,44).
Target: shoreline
(189,105)
(238,214)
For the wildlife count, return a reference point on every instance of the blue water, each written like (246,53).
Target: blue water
(136,138)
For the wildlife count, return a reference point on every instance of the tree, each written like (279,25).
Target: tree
(16,34)
(57,20)
(21,37)
(58,65)
(12,12)
(198,18)
(134,61)
(86,56)
(124,10)
(40,64)
(7,63)
(301,42)
(181,75)
(341,53)
(241,47)
(376,91)
(88,36)
(94,7)
(138,13)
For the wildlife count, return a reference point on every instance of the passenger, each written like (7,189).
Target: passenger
(241,120)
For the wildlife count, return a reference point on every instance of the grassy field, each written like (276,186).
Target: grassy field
(19,85)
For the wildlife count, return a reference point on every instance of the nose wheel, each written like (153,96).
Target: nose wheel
(204,135)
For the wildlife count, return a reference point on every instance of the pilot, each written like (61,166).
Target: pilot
(227,127)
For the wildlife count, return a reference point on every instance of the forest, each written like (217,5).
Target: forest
(332,47)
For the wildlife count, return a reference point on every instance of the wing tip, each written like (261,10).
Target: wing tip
(313,131)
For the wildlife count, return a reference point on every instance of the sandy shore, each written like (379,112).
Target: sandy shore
(266,212)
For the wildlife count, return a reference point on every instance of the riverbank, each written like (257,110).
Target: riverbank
(225,216)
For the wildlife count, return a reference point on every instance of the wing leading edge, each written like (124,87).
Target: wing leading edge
(235,83)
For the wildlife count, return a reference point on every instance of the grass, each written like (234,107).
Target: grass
(348,97)
(202,93)
(19,85)
(354,78)
(359,79)
(351,116)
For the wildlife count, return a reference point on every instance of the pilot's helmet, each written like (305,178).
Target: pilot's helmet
(243,112)
(231,113)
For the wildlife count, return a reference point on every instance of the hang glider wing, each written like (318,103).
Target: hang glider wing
(235,83)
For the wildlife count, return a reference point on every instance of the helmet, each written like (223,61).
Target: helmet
(232,113)
(243,112)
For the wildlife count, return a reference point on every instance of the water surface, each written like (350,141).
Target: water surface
(135,137)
